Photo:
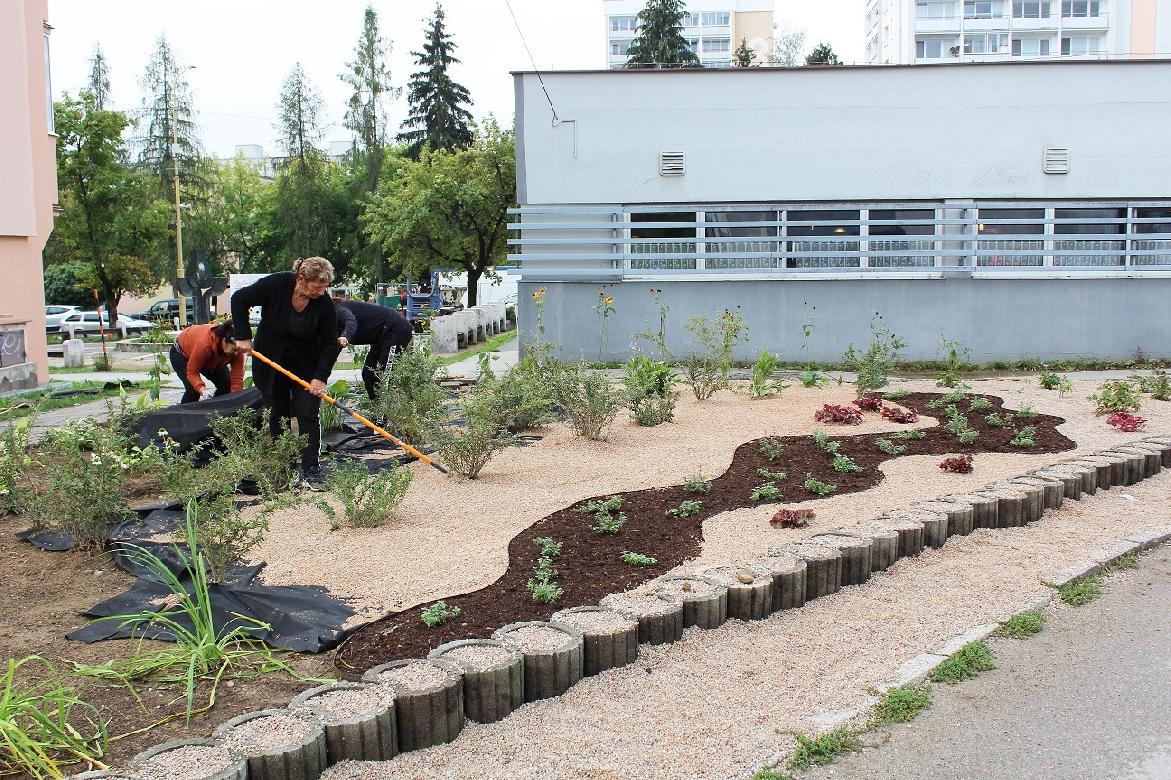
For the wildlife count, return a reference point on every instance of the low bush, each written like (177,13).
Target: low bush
(874,365)
(225,535)
(1117,395)
(15,461)
(716,338)
(1158,385)
(889,447)
(331,416)
(766,492)
(466,450)
(818,487)
(1127,423)
(588,399)
(408,400)
(1049,380)
(245,450)
(843,464)
(770,448)
(650,391)
(369,499)
(958,426)
(791,518)
(899,415)
(838,415)
(519,399)
(607,523)
(960,464)
(437,613)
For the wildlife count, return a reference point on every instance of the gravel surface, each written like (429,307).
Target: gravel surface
(480,657)
(346,703)
(595,621)
(639,604)
(190,762)
(537,639)
(679,590)
(271,732)
(417,676)
(734,576)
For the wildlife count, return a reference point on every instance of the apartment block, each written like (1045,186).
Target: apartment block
(713,28)
(903,32)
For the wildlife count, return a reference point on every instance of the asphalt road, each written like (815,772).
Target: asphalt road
(1088,697)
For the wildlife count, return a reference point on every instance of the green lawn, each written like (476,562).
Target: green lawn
(14,407)
(491,345)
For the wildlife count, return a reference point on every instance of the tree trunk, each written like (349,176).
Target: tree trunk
(474,275)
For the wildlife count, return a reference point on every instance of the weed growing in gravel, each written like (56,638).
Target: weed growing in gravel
(768,491)
(900,705)
(1022,625)
(968,661)
(1026,412)
(996,420)
(1049,380)
(1128,561)
(769,474)
(762,386)
(697,483)
(770,448)
(437,613)
(914,435)
(1081,592)
(543,585)
(819,488)
(824,749)
(685,509)
(824,443)
(979,405)
(1117,395)
(889,447)
(874,365)
(765,773)
(843,464)
(638,559)
(1025,437)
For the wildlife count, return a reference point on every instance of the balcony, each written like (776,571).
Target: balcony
(949,24)
(1048,23)
(1099,22)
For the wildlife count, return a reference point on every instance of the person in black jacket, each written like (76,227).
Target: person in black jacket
(382,328)
(298,330)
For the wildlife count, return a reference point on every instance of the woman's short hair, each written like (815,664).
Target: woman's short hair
(314,269)
(224,332)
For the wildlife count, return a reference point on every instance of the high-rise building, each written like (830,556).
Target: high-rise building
(713,28)
(902,32)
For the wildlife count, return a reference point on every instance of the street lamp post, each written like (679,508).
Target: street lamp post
(180,271)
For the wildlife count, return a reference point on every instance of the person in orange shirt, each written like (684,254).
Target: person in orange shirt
(207,351)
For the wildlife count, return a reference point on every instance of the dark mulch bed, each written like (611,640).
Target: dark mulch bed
(590,565)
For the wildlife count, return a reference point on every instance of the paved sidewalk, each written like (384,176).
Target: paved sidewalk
(1087,698)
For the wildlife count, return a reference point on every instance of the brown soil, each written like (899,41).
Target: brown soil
(590,565)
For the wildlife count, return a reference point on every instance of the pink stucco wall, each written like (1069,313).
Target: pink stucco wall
(28,171)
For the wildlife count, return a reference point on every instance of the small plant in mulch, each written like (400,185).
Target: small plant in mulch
(953,397)
(960,464)
(766,492)
(825,444)
(900,705)
(778,476)
(889,447)
(894,395)
(967,662)
(997,420)
(791,518)
(817,487)
(1022,625)
(914,435)
(1118,395)
(1126,422)
(868,404)
(958,426)
(1026,412)
(685,509)
(437,613)
(843,464)
(1025,437)
(607,523)
(838,414)
(979,405)
(607,518)
(697,483)
(899,415)
(770,448)
(595,505)
(543,584)
(638,559)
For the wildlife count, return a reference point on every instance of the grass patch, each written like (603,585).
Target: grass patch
(491,345)
(900,705)
(824,749)
(87,369)
(14,407)
(1082,591)
(1022,625)
(765,773)
(1128,561)
(968,661)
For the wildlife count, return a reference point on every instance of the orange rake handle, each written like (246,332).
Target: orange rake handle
(327,397)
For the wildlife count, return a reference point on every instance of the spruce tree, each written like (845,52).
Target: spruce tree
(438,116)
(660,42)
(301,183)
(169,110)
(99,79)
(822,54)
(744,55)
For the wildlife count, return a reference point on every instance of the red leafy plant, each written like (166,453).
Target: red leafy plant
(1126,422)
(791,518)
(961,464)
(899,415)
(839,414)
(868,404)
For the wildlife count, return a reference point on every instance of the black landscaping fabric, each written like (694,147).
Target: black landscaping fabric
(190,424)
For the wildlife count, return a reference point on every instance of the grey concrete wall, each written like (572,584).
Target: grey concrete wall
(999,319)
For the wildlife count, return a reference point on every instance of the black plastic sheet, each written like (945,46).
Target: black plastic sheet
(190,424)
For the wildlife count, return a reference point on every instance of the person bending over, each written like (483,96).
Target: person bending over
(297,330)
(207,351)
(382,328)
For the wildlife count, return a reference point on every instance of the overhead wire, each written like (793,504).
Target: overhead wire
(532,61)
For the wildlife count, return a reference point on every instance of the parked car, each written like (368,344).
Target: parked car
(164,312)
(54,315)
(86,322)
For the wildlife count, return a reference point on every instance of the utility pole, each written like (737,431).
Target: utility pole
(180,271)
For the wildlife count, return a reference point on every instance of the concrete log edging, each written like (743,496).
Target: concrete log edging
(371,735)
(749,593)
(603,649)
(1154,466)
(910,534)
(1034,506)
(934,524)
(1071,483)
(1052,490)
(238,770)
(854,550)
(1121,473)
(1102,467)
(1011,509)
(705,601)
(985,509)
(1163,443)
(660,620)
(823,568)
(548,673)
(304,759)
(491,692)
(426,715)
(1088,475)
(788,573)
(1137,466)
(961,515)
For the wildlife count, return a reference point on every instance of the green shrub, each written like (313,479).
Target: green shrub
(874,365)
(594,506)
(1117,395)
(408,400)
(768,491)
(1158,385)
(369,499)
(824,443)
(588,400)
(685,509)
(697,483)
(843,463)
(520,399)
(437,613)
(245,450)
(15,461)
(889,447)
(958,426)
(638,559)
(770,448)
(225,535)
(650,390)
(1025,437)
(1049,380)
(894,395)
(709,363)
(607,523)
(543,584)
(762,370)
(818,487)
(466,450)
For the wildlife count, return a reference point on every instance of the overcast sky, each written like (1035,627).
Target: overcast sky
(244,49)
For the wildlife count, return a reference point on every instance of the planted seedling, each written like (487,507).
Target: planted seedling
(770,448)
(1049,380)
(979,405)
(843,464)
(961,464)
(818,487)
(870,403)
(1026,412)
(894,395)
(996,420)
(778,476)
(914,435)
(1025,437)
(606,523)
(824,443)
(768,491)
(1127,423)
(543,585)
(1118,395)
(791,518)
(697,483)
(599,505)
(839,414)
(901,416)
(889,447)
(638,559)
(685,509)
(437,613)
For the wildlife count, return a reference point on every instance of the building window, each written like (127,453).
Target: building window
(1105,251)
(1079,45)
(1075,8)
(693,45)
(667,241)
(717,18)
(1018,249)
(1030,47)
(49,91)
(926,9)
(691,20)
(728,237)
(827,225)
(983,9)
(932,48)
(716,63)
(619,48)
(1156,251)
(892,241)
(717,44)
(1030,9)
(990,43)
(623,23)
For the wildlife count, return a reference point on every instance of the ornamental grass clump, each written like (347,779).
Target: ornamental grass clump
(650,391)
(369,499)
(588,400)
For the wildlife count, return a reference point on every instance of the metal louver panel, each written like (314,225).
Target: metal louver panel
(1056,160)
(671,164)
